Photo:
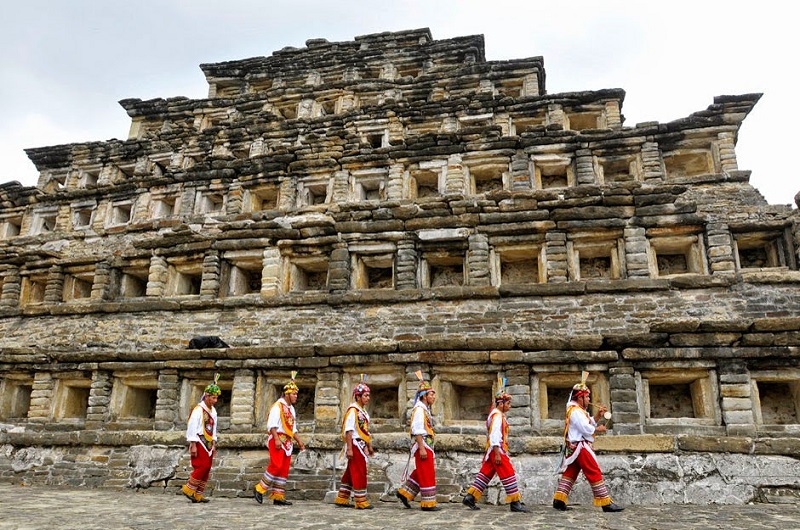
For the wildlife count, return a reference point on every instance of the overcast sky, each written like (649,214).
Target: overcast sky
(65,64)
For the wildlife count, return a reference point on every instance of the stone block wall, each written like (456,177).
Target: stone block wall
(664,470)
(391,204)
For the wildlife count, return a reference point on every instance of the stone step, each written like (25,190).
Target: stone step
(302,477)
(308,485)
(779,495)
(229,493)
(448,489)
(376,487)
(445,475)
(117,483)
(233,485)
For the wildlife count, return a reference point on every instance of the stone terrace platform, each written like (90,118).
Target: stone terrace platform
(25,507)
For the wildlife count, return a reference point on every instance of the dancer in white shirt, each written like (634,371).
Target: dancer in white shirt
(282,427)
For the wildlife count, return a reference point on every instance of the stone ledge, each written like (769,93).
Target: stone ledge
(770,276)
(701,281)
(560,356)
(777,446)
(543,289)
(349,348)
(709,353)
(627,285)
(715,444)
(500,349)
(389,296)
(777,324)
(636,443)
(399,441)
(368,296)
(550,342)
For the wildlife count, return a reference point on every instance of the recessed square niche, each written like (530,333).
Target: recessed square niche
(71,399)
(15,397)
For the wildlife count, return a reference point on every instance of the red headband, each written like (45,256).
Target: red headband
(576,392)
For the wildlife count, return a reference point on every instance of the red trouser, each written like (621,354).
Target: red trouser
(586,462)
(422,480)
(201,470)
(276,473)
(505,471)
(354,480)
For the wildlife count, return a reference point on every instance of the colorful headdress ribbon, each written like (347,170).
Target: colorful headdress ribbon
(361,388)
(424,386)
(213,389)
(291,387)
(501,395)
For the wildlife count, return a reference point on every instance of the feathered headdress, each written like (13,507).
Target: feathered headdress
(580,389)
(501,396)
(424,386)
(361,388)
(213,389)
(291,386)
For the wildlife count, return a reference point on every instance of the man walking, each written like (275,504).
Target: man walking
(201,433)
(282,427)
(495,460)
(358,449)
(579,431)
(423,479)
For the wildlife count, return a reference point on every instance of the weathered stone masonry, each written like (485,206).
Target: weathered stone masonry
(386,205)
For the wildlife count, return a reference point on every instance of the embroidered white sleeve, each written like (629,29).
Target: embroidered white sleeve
(418,421)
(274,418)
(496,431)
(194,427)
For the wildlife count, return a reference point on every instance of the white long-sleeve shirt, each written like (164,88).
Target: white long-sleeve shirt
(581,424)
(581,429)
(274,418)
(496,429)
(418,417)
(194,427)
(350,420)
